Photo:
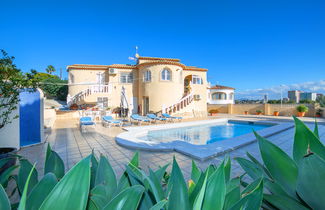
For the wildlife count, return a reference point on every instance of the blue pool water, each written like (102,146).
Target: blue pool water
(203,134)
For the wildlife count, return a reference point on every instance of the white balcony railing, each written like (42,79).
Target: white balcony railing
(89,91)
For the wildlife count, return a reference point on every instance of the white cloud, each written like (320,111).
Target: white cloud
(275,92)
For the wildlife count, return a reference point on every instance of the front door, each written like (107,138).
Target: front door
(145,105)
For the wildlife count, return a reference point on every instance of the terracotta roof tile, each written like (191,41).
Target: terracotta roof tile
(155,62)
(221,87)
(156,58)
(100,67)
(194,68)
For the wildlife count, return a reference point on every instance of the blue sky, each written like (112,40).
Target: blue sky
(250,45)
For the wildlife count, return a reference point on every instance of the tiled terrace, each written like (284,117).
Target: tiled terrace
(73,145)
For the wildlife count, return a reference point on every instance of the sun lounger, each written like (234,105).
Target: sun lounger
(109,120)
(154,117)
(86,121)
(167,116)
(140,119)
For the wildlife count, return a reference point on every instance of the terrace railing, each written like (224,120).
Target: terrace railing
(179,105)
(93,89)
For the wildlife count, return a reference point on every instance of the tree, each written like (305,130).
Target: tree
(321,101)
(12,81)
(50,69)
(54,87)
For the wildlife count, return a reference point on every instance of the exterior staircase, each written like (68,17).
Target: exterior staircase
(181,107)
(87,92)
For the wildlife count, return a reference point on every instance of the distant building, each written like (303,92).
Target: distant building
(285,99)
(294,95)
(297,96)
(219,94)
(308,96)
(319,95)
(266,98)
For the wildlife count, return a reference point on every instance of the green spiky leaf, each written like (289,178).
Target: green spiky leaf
(54,164)
(4,200)
(72,190)
(127,199)
(40,191)
(23,200)
(284,202)
(178,197)
(195,173)
(105,175)
(282,168)
(216,190)
(23,173)
(311,181)
(305,140)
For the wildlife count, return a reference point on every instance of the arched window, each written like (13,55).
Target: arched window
(147,76)
(219,96)
(166,75)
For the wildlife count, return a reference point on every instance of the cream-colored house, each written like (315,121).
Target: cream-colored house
(158,85)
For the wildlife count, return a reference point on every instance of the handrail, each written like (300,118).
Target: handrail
(183,102)
(90,90)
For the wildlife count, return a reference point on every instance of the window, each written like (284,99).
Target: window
(231,96)
(102,102)
(197,80)
(166,75)
(126,77)
(147,76)
(219,96)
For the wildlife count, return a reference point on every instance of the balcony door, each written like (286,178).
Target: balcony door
(100,81)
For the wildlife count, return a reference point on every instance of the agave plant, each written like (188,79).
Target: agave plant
(291,183)
(92,184)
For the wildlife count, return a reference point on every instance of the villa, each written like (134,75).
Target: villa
(152,85)
(219,94)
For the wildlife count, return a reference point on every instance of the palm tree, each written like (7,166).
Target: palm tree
(50,69)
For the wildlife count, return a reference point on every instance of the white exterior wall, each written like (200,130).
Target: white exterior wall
(226,91)
(9,134)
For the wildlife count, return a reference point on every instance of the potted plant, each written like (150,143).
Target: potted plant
(12,81)
(213,112)
(276,113)
(258,112)
(319,113)
(302,109)
(74,107)
(246,112)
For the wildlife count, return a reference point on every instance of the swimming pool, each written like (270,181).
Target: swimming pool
(198,139)
(203,134)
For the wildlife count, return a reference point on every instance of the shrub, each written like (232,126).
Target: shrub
(258,111)
(12,81)
(302,108)
(291,183)
(319,112)
(92,184)
(213,111)
(321,101)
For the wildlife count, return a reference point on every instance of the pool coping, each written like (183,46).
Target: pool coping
(129,138)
